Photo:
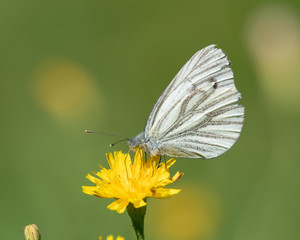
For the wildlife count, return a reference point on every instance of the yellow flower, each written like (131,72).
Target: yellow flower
(132,181)
(110,237)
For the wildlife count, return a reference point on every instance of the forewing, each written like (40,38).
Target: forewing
(198,114)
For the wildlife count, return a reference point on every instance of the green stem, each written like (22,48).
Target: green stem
(137,216)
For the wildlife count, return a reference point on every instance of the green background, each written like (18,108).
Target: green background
(66,66)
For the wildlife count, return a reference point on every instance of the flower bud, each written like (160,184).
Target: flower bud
(32,232)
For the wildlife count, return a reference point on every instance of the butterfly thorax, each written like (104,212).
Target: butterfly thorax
(147,145)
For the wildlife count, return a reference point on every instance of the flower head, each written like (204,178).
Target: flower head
(110,237)
(132,181)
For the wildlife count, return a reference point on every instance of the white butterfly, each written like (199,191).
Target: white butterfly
(198,115)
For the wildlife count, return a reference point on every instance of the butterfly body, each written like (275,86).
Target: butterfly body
(198,115)
(146,144)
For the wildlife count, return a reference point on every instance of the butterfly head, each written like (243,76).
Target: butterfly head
(138,141)
(147,145)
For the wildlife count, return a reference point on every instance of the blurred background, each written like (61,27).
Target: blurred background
(67,66)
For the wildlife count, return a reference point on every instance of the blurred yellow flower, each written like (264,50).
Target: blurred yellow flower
(110,237)
(273,40)
(132,181)
(65,89)
(199,219)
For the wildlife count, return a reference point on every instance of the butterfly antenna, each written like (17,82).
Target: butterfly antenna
(108,134)
(113,144)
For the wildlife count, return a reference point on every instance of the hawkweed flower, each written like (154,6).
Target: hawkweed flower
(110,237)
(131,182)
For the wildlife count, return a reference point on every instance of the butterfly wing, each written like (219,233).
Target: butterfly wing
(198,115)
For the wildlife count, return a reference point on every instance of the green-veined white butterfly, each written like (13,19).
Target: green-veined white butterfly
(198,115)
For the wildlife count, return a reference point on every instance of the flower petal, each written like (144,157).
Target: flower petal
(88,190)
(93,179)
(139,203)
(170,162)
(165,192)
(118,205)
(176,176)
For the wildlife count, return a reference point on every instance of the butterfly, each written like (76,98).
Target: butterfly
(198,115)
